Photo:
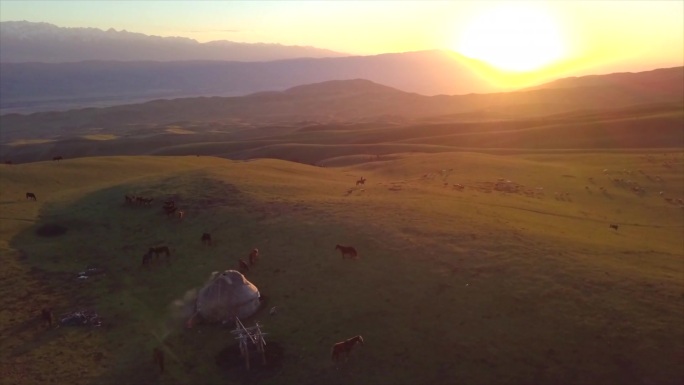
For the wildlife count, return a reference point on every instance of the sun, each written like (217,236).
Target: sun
(511,37)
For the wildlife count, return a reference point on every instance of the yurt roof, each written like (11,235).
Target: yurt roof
(229,289)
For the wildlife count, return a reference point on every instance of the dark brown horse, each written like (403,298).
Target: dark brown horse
(57,158)
(612,226)
(342,349)
(159,250)
(147,259)
(30,195)
(361,181)
(170,210)
(347,250)
(206,238)
(253,256)
(158,357)
(47,316)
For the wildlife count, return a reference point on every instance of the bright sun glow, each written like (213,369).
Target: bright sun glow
(514,38)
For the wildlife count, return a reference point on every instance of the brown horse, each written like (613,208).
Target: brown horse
(361,181)
(147,259)
(47,316)
(342,349)
(57,158)
(206,238)
(347,250)
(253,256)
(158,357)
(159,250)
(30,195)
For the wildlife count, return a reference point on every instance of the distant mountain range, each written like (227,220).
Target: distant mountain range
(24,41)
(31,87)
(337,102)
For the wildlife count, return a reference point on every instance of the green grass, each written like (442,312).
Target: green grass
(451,287)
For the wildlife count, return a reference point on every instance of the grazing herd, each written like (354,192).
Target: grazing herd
(132,199)
(340,350)
(153,254)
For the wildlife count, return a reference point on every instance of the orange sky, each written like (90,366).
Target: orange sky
(534,39)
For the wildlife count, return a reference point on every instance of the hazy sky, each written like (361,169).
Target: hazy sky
(512,35)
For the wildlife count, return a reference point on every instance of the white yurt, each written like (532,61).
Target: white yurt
(227,295)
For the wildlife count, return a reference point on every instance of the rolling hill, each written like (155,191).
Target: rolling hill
(361,112)
(447,288)
(30,87)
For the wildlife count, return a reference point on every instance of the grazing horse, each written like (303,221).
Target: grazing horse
(47,316)
(613,227)
(243,265)
(57,158)
(344,348)
(347,250)
(160,250)
(30,195)
(147,259)
(129,198)
(158,357)
(206,238)
(361,181)
(253,256)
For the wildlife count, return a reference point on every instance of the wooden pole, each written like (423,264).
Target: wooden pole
(263,354)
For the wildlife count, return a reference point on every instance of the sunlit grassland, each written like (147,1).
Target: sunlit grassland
(472,286)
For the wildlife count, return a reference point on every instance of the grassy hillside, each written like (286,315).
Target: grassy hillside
(471,286)
(637,127)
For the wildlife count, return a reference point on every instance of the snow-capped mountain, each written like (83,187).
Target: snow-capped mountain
(24,41)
